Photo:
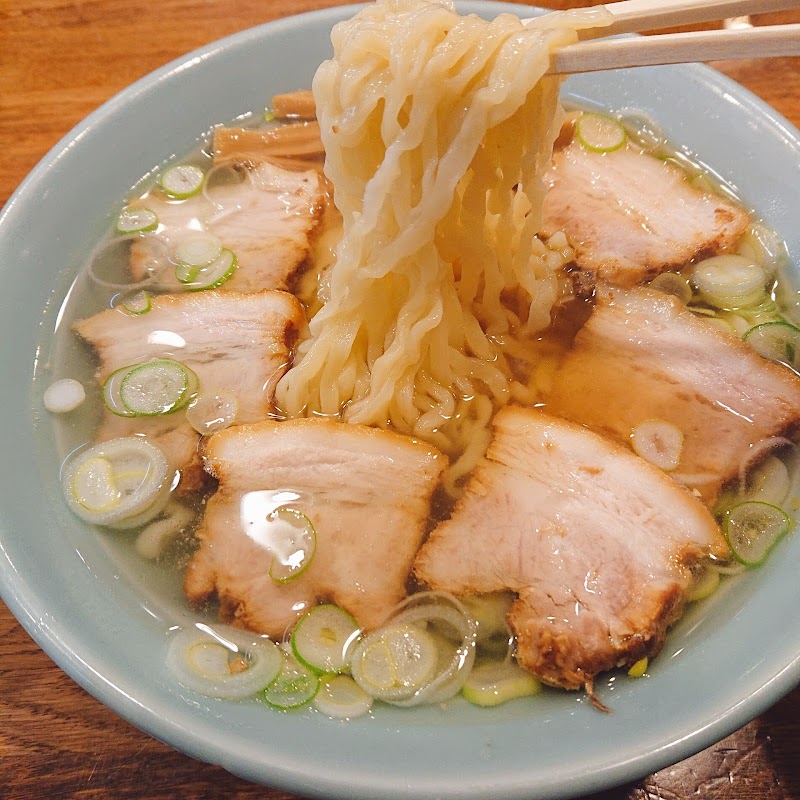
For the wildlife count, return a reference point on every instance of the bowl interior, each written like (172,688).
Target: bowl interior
(103,615)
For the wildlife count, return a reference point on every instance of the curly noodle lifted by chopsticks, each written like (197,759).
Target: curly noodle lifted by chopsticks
(437,131)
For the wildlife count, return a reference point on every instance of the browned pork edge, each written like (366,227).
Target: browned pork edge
(597,544)
(365,490)
(630,216)
(211,324)
(644,355)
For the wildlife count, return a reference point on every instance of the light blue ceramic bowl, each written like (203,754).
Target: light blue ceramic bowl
(94,611)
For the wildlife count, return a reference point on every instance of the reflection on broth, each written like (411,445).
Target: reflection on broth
(488,422)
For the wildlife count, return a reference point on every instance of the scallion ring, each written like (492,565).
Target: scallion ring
(324,638)
(777,341)
(151,388)
(340,697)
(422,655)
(729,282)
(394,663)
(212,275)
(496,682)
(182,181)
(753,528)
(658,442)
(197,249)
(121,483)
(292,543)
(212,411)
(674,284)
(135,303)
(134,219)
(223,662)
(600,133)
(109,263)
(295,686)
(63,396)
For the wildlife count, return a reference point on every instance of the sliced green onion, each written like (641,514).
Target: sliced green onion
(395,662)
(769,482)
(157,387)
(121,483)
(455,633)
(765,311)
(109,263)
(658,442)
(210,412)
(674,284)
(93,485)
(63,396)
(182,181)
(324,638)
(729,282)
(777,341)
(423,655)
(752,528)
(154,539)
(340,697)
(705,584)
(639,669)
(295,686)
(219,179)
(111,396)
(763,245)
(599,132)
(186,273)
(223,662)
(213,275)
(150,389)
(136,303)
(493,683)
(292,542)
(136,220)
(763,475)
(198,249)
(490,612)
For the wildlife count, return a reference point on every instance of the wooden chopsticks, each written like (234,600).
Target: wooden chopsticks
(679,48)
(632,16)
(636,15)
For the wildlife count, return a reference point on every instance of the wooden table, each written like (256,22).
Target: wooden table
(60,59)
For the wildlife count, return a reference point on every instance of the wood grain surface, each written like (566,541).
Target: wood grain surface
(60,59)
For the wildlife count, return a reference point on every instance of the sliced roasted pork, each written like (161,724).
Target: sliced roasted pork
(267,221)
(630,216)
(597,544)
(643,356)
(236,342)
(366,491)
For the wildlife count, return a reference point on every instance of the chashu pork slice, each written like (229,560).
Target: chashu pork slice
(366,491)
(235,342)
(643,355)
(597,544)
(267,220)
(630,216)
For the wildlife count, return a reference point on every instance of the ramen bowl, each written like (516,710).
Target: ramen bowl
(104,617)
